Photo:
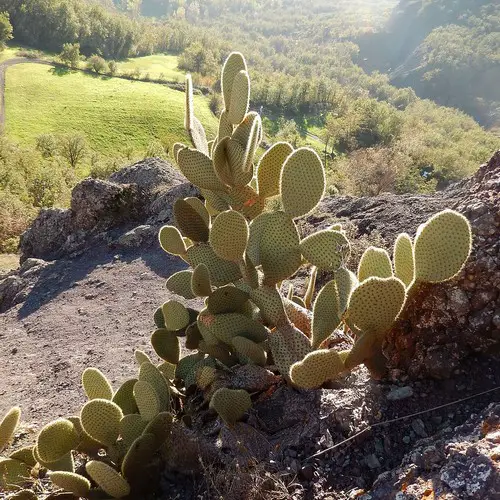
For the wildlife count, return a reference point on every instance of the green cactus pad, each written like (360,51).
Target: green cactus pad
(346,283)
(200,281)
(316,368)
(374,262)
(171,240)
(250,350)
(149,373)
(160,427)
(24,455)
(288,345)
(141,356)
(240,97)
(270,303)
(108,479)
(221,162)
(375,304)
(219,352)
(269,169)
(404,265)
(227,299)
(311,287)
(299,316)
(302,183)
(221,271)
(327,250)
(167,370)
(233,65)
(279,247)
(363,349)
(8,426)
(227,326)
(166,345)
(64,464)
(205,376)
(230,404)
(101,420)
(247,201)
(180,284)
(240,166)
(198,169)
(73,483)
(96,385)
(86,443)
(176,315)
(229,235)
(176,148)
(56,439)
(215,202)
(225,126)
(326,313)
(191,123)
(442,247)
(190,223)
(13,473)
(298,300)
(23,495)
(199,206)
(147,400)
(139,454)
(193,337)
(186,365)
(189,108)
(131,427)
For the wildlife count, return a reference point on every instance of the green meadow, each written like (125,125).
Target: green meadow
(115,115)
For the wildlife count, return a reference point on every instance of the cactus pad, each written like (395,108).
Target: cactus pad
(374,262)
(250,350)
(147,400)
(64,464)
(73,483)
(124,396)
(302,182)
(198,169)
(131,427)
(404,265)
(346,283)
(24,455)
(108,479)
(240,97)
(442,247)
(229,235)
(139,454)
(193,336)
(270,303)
(375,304)
(269,169)
(190,223)
(230,404)
(171,240)
(326,313)
(186,365)
(363,349)
(56,439)
(149,373)
(180,284)
(101,420)
(96,385)
(233,65)
(8,426)
(327,250)
(200,281)
(227,299)
(316,368)
(225,126)
(141,356)
(288,345)
(176,315)
(13,473)
(160,427)
(166,345)
(221,271)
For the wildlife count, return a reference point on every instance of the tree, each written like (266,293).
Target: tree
(47,145)
(70,54)
(5,29)
(73,148)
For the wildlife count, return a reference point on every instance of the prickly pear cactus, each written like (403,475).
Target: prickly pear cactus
(239,254)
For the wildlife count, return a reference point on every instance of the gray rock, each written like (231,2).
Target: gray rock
(419,427)
(372,461)
(136,236)
(398,393)
(160,210)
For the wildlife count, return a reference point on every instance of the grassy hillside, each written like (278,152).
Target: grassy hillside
(114,114)
(156,66)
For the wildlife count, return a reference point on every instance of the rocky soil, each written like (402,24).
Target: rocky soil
(91,277)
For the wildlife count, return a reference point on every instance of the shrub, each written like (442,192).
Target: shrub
(15,217)
(96,64)
(155,150)
(70,54)
(73,147)
(112,68)
(47,144)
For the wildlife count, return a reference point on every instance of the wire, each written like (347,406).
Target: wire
(387,422)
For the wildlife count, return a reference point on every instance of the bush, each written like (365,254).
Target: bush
(96,64)
(112,68)
(103,168)
(155,150)
(73,147)
(47,144)
(15,217)
(70,54)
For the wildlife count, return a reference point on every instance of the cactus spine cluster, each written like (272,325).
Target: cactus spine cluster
(239,254)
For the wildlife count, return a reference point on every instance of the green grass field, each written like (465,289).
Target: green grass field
(113,113)
(155,66)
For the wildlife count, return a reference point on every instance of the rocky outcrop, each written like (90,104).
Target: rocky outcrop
(456,463)
(98,206)
(445,323)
